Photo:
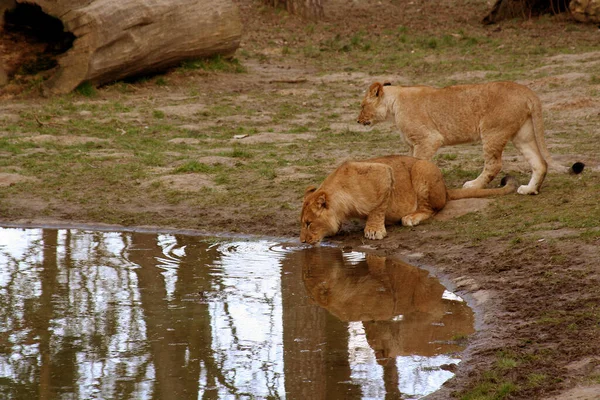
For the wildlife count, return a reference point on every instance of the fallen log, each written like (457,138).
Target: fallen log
(115,39)
(507,9)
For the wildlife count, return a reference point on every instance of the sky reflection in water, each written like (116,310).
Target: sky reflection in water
(127,315)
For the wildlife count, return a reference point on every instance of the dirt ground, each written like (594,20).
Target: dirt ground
(537,299)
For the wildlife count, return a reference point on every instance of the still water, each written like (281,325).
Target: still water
(124,315)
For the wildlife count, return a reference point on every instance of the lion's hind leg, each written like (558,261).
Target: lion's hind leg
(428,184)
(417,217)
(493,146)
(526,143)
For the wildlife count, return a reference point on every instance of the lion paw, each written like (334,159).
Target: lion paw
(409,221)
(525,189)
(413,219)
(374,234)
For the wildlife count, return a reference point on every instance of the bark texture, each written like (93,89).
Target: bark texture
(4,6)
(585,10)
(115,39)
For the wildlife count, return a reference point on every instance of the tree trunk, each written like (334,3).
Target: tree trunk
(4,6)
(115,39)
(507,9)
(309,9)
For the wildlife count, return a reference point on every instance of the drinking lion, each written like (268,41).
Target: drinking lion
(384,189)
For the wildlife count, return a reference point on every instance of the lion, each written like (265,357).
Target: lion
(382,190)
(492,113)
(403,308)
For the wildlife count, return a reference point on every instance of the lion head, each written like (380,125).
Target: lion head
(317,219)
(373,109)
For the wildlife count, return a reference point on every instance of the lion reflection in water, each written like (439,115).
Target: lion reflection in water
(401,306)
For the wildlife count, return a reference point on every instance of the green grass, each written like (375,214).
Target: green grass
(496,383)
(491,391)
(86,89)
(214,64)
(194,167)
(572,202)
(161,81)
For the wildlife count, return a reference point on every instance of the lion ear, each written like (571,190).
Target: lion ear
(309,190)
(376,90)
(322,201)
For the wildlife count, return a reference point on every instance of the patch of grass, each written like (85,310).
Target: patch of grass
(215,64)
(222,179)
(496,384)
(10,147)
(194,167)
(549,319)
(161,81)
(287,111)
(515,240)
(267,172)
(287,206)
(298,129)
(447,157)
(223,110)
(458,174)
(430,43)
(239,152)
(571,206)
(504,363)
(86,89)
(311,51)
(490,390)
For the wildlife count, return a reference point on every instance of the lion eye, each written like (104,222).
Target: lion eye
(307,223)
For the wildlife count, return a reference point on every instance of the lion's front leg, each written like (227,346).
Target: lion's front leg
(375,227)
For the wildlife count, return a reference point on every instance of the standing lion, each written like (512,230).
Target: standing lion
(492,113)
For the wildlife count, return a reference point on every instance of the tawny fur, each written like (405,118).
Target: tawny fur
(376,291)
(381,190)
(493,113)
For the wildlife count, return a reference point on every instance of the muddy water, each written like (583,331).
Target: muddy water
(122,315)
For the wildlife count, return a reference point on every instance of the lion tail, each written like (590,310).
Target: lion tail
(508,185)
(538,126)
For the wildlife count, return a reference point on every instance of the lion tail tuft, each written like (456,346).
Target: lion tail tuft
(509,181)
(577,168)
